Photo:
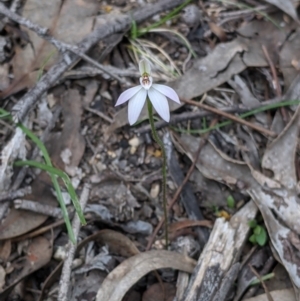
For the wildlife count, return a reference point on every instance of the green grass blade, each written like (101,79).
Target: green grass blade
(133,30)
(57,173)
(53,172)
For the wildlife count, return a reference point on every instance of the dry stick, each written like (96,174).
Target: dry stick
(13,8)
(231,117)
(15,194)
(273,70)
(275,81)
(100,114)
(118,24)
(37,207)
(176,195)
(15,5)
(269,296)
(67,267)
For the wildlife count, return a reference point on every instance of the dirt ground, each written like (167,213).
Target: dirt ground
(81,191)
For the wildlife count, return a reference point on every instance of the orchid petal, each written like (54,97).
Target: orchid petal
(126,95)
(135,106)
(160,104)
(167,91)
(145,67)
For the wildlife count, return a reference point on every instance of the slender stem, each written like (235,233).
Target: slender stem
(164,168)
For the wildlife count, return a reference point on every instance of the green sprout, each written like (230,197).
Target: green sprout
(259,234)
(230,201)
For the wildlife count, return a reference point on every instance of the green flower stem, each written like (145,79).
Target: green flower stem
(164,168)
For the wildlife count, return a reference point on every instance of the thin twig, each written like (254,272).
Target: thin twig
(15,194)
(275,81)
(231,117)
(195,115)
(64,282)
(37,207)
(269,296)
(273,70)
(100,114)
(88,71)
(176,195)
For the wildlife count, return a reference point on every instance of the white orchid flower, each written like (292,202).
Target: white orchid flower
(156,93)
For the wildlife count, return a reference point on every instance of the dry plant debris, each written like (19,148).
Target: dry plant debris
(64,64)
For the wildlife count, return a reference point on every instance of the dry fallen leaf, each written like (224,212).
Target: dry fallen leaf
(19,222)
(39,253)
(125,275)
(68,21)
(5,250)
(68,148)
(289,54)
(287,6)
(155,292)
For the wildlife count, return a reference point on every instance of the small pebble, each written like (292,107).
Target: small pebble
(134,143)
(154,192)
(191,15)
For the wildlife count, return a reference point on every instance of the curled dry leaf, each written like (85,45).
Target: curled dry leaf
(116,242)
(287,6)
(124,276)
